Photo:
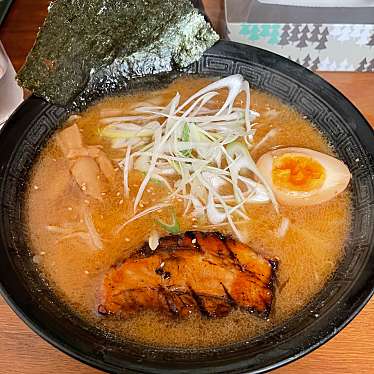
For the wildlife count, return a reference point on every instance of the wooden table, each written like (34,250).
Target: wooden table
(22,351)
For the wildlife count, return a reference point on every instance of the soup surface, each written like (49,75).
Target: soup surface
(308,250)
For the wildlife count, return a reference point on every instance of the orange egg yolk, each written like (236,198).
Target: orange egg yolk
(295,172)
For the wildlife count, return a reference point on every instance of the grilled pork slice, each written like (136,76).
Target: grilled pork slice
(197,272)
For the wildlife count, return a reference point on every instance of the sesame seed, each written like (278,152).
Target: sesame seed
(141,205)
(194,226)
(118,193)
(36,187)
(86,201)
(194,219)
(120,202)
(193,240)
(103,193)
(127,239)
(42,253)
(70,208)
(86,272)
(162,264)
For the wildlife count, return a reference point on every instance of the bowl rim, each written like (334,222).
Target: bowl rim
(362,300)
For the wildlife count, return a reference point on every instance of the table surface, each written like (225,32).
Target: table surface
(22,351)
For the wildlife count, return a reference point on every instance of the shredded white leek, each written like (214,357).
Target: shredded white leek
(91,229)
(126,169)
(283,227)
(154,240)
(143,213)
(271,134)
(74,230)
(196,151)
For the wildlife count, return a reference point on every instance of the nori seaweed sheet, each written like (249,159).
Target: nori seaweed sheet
(87,48)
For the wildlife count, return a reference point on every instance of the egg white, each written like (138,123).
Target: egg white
(337,177)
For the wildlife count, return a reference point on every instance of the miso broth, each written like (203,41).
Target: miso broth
(308,252)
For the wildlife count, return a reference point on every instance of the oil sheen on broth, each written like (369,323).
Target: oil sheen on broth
(308,253)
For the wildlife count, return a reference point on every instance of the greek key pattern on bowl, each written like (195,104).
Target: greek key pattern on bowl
(339,132)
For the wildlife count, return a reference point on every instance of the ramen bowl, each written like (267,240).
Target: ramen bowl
(345,294)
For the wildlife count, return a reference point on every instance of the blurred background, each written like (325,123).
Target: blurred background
(322,35)
(327,36)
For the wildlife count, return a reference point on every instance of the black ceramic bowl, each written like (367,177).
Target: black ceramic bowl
(341,299)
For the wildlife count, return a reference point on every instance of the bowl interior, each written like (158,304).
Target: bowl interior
(350,288)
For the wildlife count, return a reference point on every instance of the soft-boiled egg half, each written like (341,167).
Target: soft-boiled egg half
(301,176)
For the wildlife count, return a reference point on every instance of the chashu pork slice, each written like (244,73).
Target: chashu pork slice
(87,164)
(197,272)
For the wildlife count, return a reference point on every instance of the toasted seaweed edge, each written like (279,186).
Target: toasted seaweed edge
(42,75)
